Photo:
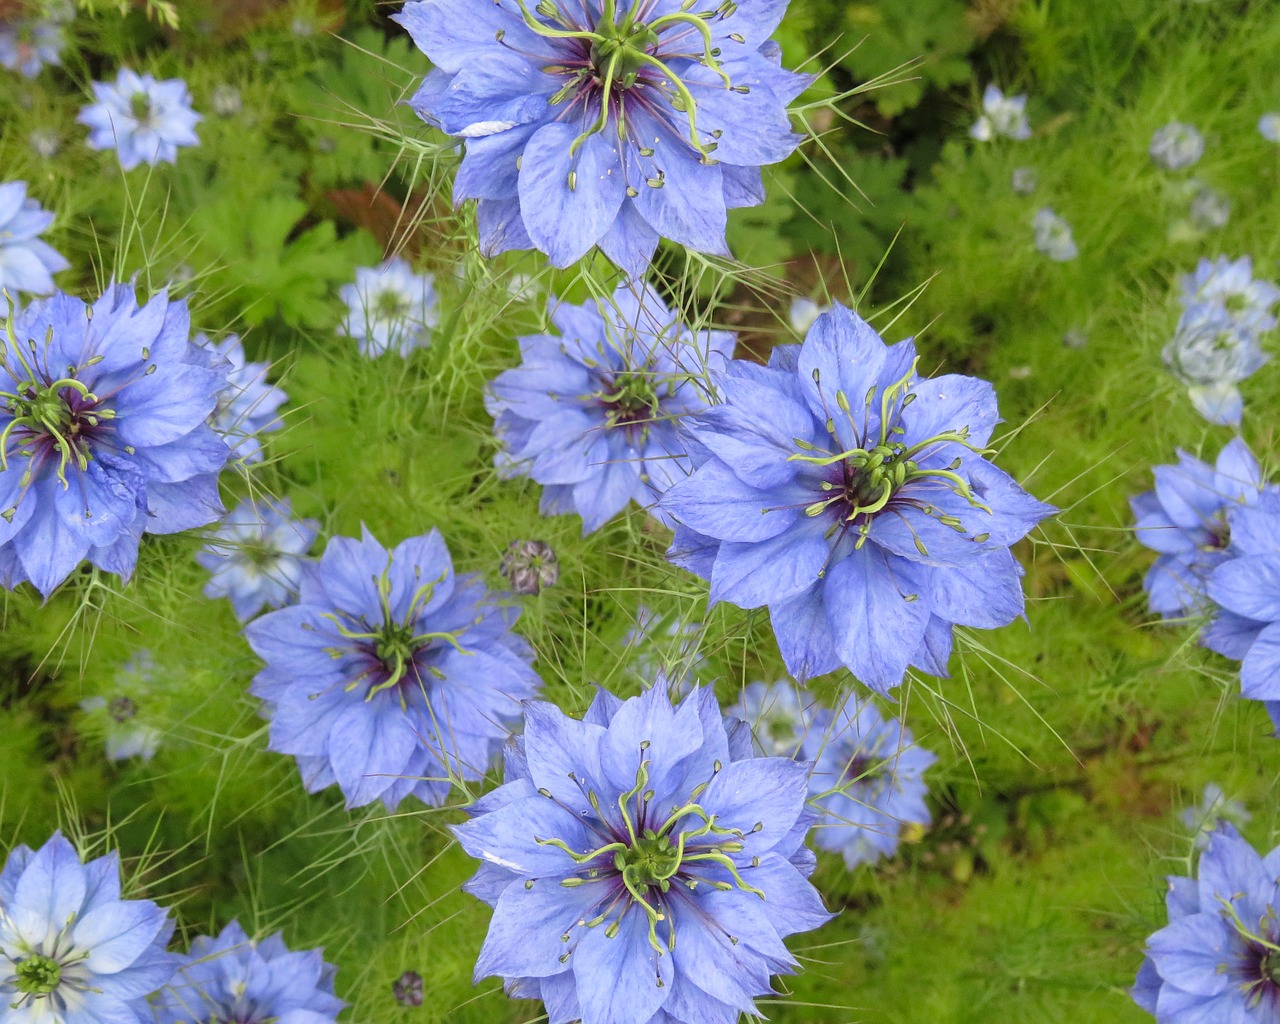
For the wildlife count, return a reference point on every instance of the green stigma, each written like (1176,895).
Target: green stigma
(652,861)
(140,107)
(632,400)
(1270,967)
(390,306)
(38,975)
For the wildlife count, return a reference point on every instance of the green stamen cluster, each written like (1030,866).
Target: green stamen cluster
(649,861)
(633,399)
(620,47)
(37,975)
(875,473)
(140,107)
(393,642)
(389,305)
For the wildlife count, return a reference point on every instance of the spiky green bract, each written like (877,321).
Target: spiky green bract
(392,676)
(1218,959)
(231,977)
(866,778)
(71,950)
(642,869)
(591,414)
(851,497)
(103,434)
(606,122)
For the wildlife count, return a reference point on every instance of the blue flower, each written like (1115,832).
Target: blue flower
(232,977)
(70,948)
(389,308)
(125,735)
(29,44)
(1229,285)
(1176,146)
(143,120)
(1269,127)
(591,414)
(639,871)
(103,434)
(1246,588)
(1212,809)
(256,556)
(1001,115)
(866,779)
(1210,209)
(249,404)
(850,497)
(779,715)
(1053,236)
(1211,353)
(1187,519)
(27,264)
(392,676)
(606,122)
(1218,959)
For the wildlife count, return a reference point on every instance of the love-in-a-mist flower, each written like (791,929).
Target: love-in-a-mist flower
(71,950)
(778,714)
(1210,209)
(1246,588)
(391,676)
(1001,115)
(606,122)
(1053,236)
(390,308)
(1229,285)
(249,404)
(125,735)
(1214,807)
(28,44)
(231,977)
(639,873)
(866,779)
(851,497)
(1211,354)
(1218,959)
(143,120)
(591,413)
(1187,519)
(1176,146)
(256,556)
(27,263)
(103,434)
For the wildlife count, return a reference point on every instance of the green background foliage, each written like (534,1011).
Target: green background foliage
(1068,743)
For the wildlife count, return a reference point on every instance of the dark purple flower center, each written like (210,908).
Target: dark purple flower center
(862,768)
(122,709)
(1219,532)
(630,399)
(622,64)
(647,862)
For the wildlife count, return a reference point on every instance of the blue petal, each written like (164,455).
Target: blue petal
(530,924)
(1260,670)
(492,94)
(1249,587)
(368,748)
(772,570)
(804,636)
(623,979)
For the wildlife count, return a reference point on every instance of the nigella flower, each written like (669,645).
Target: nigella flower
(1246,588)
(125,735)
(1211,353)
(256,556)
(1001,115)
(779,715)
(389,308)
(70,948)
(606,122)
(1218,959)
(103,434)
(591,413)
(143,120)
(27,264)
(231,977)
(639,872)
(1269,127)
(29,44)
(1231,286)
(1187,519)
(249,404)
(392,675)
(1053,236)
(1213,808)
(1210,209)
(866,779)
(1176,146)
(851,497)
(408,989)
